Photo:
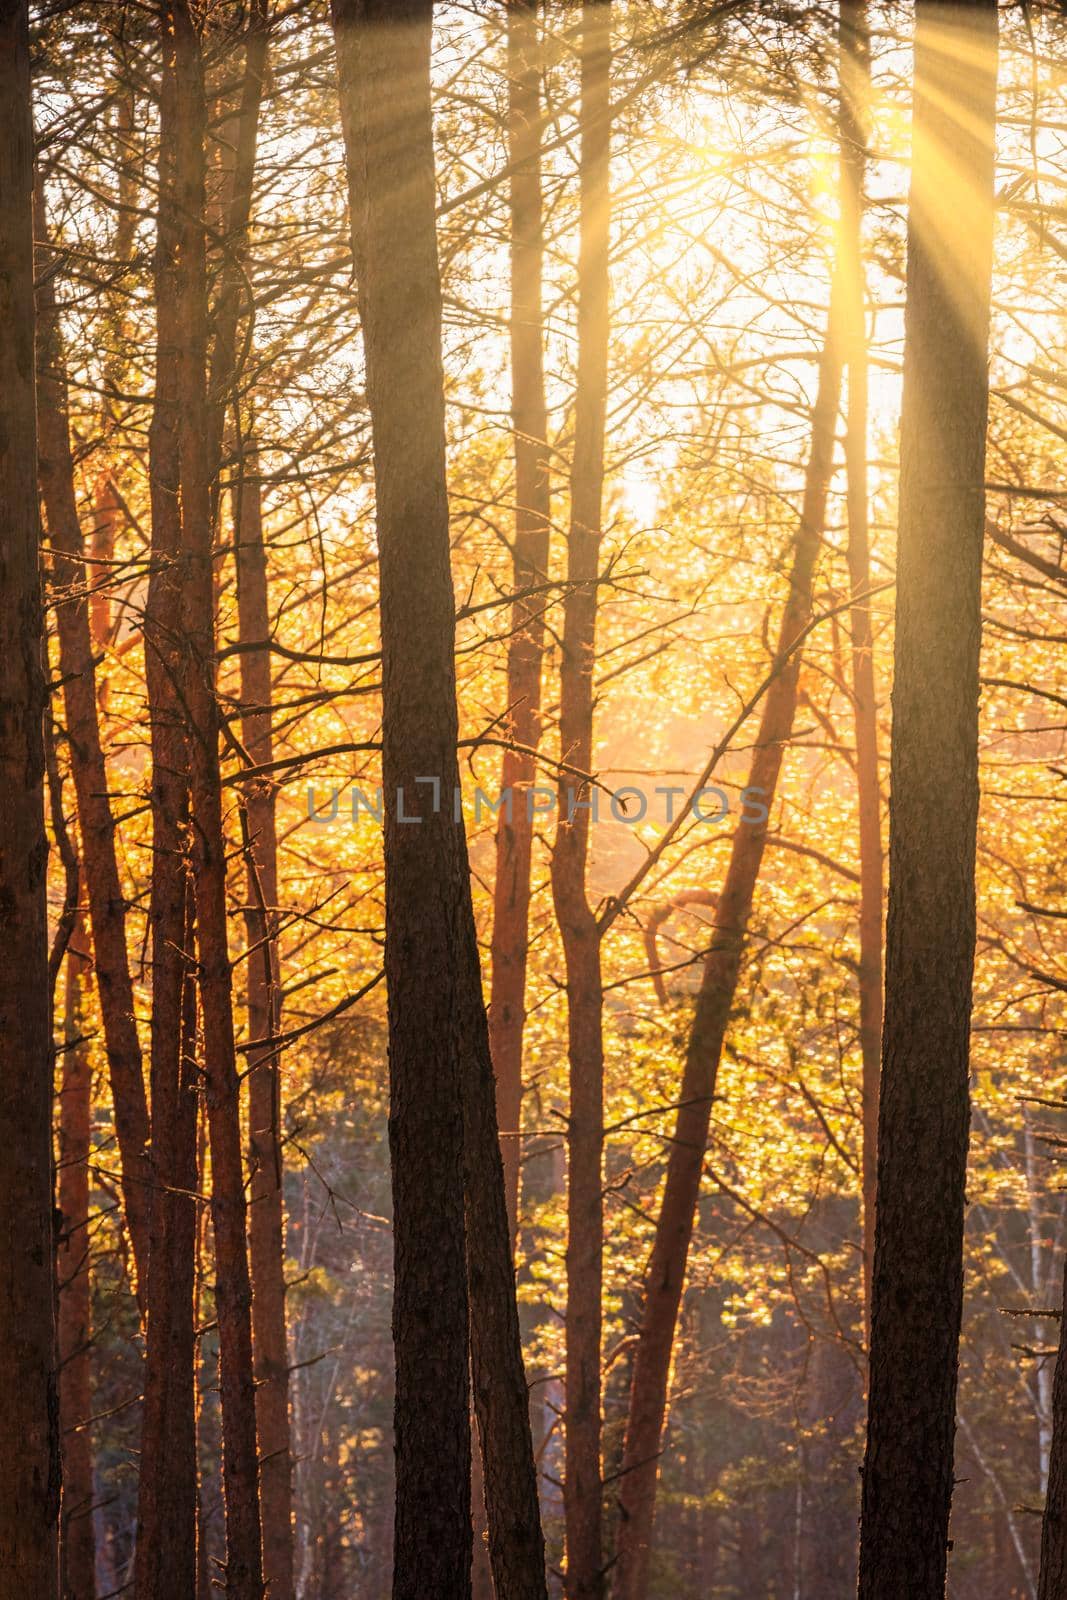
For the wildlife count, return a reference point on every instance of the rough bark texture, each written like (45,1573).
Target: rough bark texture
(165,1564)
(107,906)
(29,1470)
(923,1122)
(577,919)
(514,836)
(233,1295)
(77,1542)
(266,1217)
(384,64)
(665,1276)
(855,89)
(444,1140)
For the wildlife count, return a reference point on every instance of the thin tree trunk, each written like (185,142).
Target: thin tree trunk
(266,1219)
(165,1560)
(244,1579)
(719,979)
(205,1368)
(501,1397)
(530,553)
(236,218)
(514,837)
(1052,1580)
(855,90)
(444,1140)
(29,1468)
(577,920)
(917,1291)
(106,512)
(77,1538)
(107,905)
(266,1214)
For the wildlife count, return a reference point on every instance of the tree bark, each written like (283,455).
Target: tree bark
(29,1468)
(77,1541)
(266,1213)
(107,904)
(244,1576)
(721,972)
(917,1291)
(1052,1577)
(514,836)
(450,1214)
(855,89)
(165,1558)
(530,553)
(236,218)
(384,70)
(579,932)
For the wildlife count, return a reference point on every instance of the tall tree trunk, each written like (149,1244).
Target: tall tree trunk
(444,1141)
(514,837)
(244,1579)
(917,1292)
(665,1275)
(236,216)
(107,905)
(855,90)
(165,1559)
(384,64)
(577,920)
(29,1468)
(77,1540)
(266,1219)
(266,1214)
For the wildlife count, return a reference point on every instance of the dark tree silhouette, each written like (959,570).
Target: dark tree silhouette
(917,1292)
(29,1475)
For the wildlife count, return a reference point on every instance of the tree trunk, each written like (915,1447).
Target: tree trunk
(266,1216)
(165,1559)
(719,979)
(266,1219)
(855,90)
(530,553)
(384,63)
(107,905)
(917,1290)
(77,1540)
(244,1580)
(30,1471)
(444,1140)
(514,836)
(577,920)
(236,214)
